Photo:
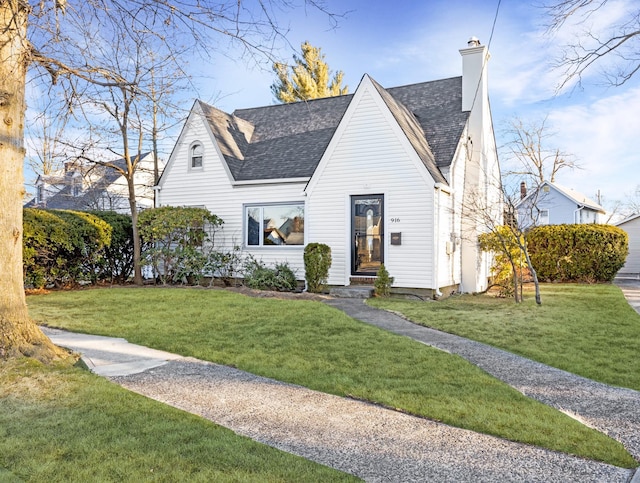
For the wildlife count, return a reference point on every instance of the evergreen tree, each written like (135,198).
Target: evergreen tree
(309,78)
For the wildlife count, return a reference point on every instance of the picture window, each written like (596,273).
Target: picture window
(274,225)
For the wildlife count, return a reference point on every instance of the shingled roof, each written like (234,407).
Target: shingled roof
(64,199)
(288,140)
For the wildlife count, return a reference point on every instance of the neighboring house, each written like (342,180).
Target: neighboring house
(380,175)
(96,188)
(551,204)
(632,265)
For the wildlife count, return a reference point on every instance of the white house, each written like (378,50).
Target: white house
(77,187)
(631,225)
(552,204)
(380,175)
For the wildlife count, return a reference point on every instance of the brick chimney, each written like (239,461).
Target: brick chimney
(523,190)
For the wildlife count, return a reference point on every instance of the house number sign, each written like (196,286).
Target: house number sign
(395,220)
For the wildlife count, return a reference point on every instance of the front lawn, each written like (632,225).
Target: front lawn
(314,345)
(588,330)
(64,424)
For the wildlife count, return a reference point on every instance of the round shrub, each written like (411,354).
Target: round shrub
(577,253)
(61,247)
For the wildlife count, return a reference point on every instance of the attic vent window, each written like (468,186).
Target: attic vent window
(546,188)
(196,155)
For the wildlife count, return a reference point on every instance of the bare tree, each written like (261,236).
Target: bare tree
(631,202)
(501,233)
(624,207)
(44,139)
(619,43)
(121,110)
(55,37)
(529,155)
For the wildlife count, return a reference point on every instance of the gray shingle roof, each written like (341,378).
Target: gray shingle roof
(288,140)
(65,200)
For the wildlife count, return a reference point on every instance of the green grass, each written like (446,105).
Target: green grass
(588,330)
(311,344)
(65,424)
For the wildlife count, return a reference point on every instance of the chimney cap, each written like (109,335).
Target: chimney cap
(473,41)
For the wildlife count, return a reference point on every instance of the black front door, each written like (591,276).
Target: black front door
(367,227)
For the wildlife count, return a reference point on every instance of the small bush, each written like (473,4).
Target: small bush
(382,285)
(317,261)
(577,253)
(258,276)
(173,235)
(507,254)
(225,265)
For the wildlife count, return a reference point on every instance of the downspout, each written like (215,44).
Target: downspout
(436,241)
(575,214)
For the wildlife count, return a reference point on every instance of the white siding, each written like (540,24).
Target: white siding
(456,181)
(211,187)
(369,155)
(632,265)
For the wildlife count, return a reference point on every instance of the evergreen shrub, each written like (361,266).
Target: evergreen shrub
(317,261)
(61,247)
(382,285)
(577,253)
(116,265)
(281,278)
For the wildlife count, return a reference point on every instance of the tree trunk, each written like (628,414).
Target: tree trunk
(137,249)
(534,274)
(19,335)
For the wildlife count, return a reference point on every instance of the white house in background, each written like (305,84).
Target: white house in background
(379,175)
(551,204)
(78,187)
(632,265)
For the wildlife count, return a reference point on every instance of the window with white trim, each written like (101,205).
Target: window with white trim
(196,152)
(268,225)
(543,217)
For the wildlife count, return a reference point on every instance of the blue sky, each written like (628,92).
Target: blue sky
(404,42)
(407,41)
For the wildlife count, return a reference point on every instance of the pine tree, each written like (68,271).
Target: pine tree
(309,78)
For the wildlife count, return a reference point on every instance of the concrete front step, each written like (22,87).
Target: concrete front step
(352,292)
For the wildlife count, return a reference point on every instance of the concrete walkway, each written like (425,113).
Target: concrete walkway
(110,356)
(631,289)
(374,443)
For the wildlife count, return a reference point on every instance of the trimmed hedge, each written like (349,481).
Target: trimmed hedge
(60,247)
(577,253)
(116,264)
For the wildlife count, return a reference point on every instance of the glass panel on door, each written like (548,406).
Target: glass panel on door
(368,234)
